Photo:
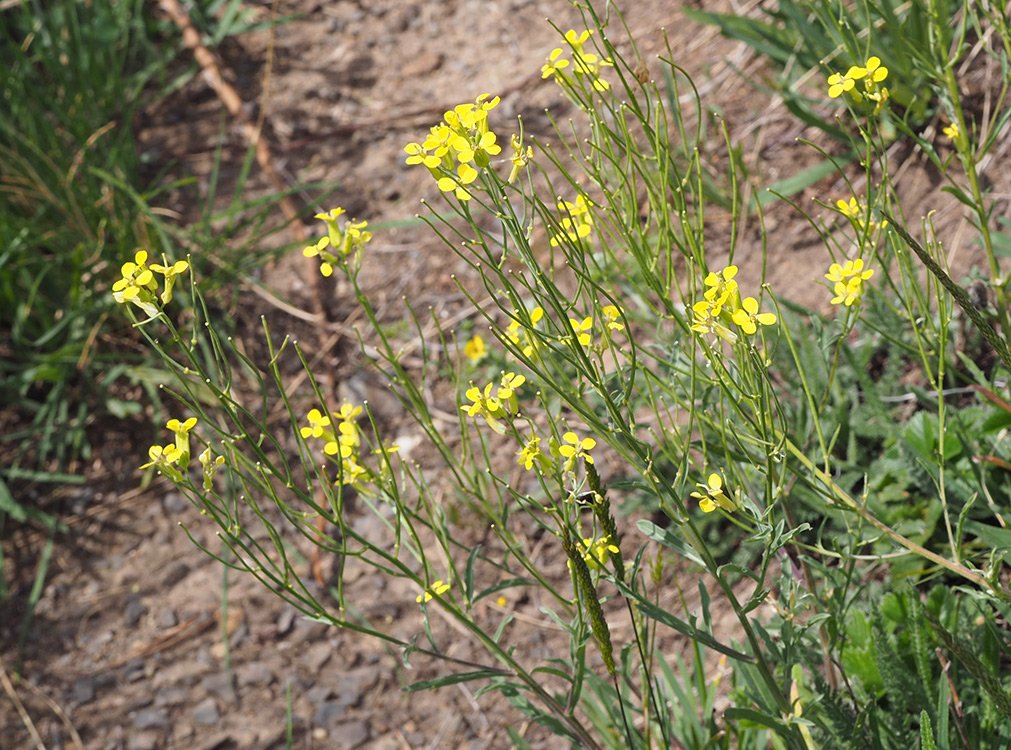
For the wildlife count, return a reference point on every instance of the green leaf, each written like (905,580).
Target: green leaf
(663,616)
(452,679)
(668,539)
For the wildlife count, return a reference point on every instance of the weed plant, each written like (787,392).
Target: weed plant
(76,196)
(836,484)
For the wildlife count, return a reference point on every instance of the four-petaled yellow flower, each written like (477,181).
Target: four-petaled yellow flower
(850,209)
(747,317)
(574,449)
(952,131)
(711,495)
(554,64)
(438,588)
(582,330)
(839,83)
(475,349)
(162,456)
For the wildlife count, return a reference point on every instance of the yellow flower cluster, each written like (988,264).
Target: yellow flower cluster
(498,406)
(856,212)
(577,223)
(583,329)
(339,243)
(139,285)
(586,65)
(598,551)
(344,441)
(712,496)
(176,453)
(722,305)
(458,147)
(848,281)
(871,73)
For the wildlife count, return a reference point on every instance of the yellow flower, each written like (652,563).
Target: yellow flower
(169,272)
(838,83)
(137,285)
(848,281)
(874,73)
(583,330)
(483,404)
(438,588)
(722,290)
(475,349)
(850,209)
(574,449)
(182,441)
(711,495)
(507,388)
(529,342)
(577,223)
(319,250)
(747,317)
(596,552)
(613,316)
(209,464)
(162,456)
(704,321)
(555,63)
(530,454)
(952,131)
(520,157)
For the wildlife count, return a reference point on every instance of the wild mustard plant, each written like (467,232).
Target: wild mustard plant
(662,416)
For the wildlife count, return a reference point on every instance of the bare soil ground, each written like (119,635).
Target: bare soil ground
(141,641)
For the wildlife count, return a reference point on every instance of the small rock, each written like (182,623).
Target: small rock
(173,696)
(133,611)
(317,655)
(256,673)
(221,685)
(166,618)
(328,714)
(150,718)
(142,741)
(420,65)
(319,694)
(175,573)
(133,670)
(351,734)
(285,622)
(174,504)
(84,690)
(206,713)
